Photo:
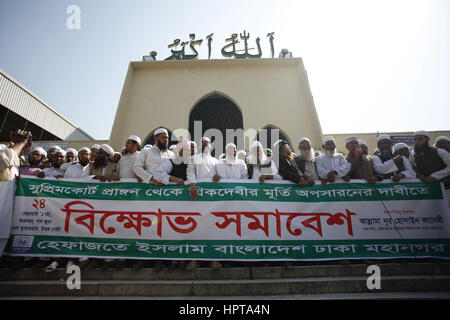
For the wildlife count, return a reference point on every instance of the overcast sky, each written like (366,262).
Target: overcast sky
(372,65)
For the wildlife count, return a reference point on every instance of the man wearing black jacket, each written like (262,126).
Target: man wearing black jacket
(287,167)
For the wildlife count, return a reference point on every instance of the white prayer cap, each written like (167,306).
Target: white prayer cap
(349,139)
(384,137)
(441,138)
(304,139)
(230,145)
(362,142)
(399,146)
(328,138)
(421,133)
(241,154)
(95,146)
(75,152)
(59,150)
(160,130)
(116,152)
(206,139)
(256,144)
(55,146)
(41,150)
(107,149)
(135,138)
(84,149)
(222,156)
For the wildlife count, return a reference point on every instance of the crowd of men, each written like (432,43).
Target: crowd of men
(186,163)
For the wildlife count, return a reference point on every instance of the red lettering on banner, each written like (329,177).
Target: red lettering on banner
(338,218)
(135,220)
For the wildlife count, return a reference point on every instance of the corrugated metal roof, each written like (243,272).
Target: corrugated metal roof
(22,101)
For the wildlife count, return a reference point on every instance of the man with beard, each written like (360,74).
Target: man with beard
(203,166)
(403,150)
(230,167)
(331,164)
(432,164)
(387,166)
(259,166)
(48,163)
(306,161)
(94,150)
(55,170)
(81,168)
(442,142)
(103,167)
(125,166)
(37,155)
(287,167)
(361,164)
(149,159)
(364,148)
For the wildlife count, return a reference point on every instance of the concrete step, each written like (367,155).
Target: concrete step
(259,287)
(232,273)
(321,296)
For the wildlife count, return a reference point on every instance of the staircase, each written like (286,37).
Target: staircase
(317,280)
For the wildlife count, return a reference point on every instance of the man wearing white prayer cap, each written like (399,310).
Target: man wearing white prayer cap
(124,169)
(103,167)
(361,164)
(71,158)
(35,158)
(442,142)
(230,167)
(364,147)
(94,150)
(55,171)
(81,168)
(306,160)
(388,166)
(149,159)
(50,152)
(331,164)
(432,164)
(203,166)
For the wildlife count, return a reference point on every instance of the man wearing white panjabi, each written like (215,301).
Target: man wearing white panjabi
(9,162)
(259,166)
(331,164)
(149,159)
(203,166)
(230,167)
(387,166)
(124,168)
(81,168)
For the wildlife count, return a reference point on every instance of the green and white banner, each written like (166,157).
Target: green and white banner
(230,220)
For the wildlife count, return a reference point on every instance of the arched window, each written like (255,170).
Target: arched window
(216,112)
(267,134)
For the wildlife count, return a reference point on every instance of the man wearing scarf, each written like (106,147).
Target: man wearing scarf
(260,167)
(431,164)
(306,161)
(387,166)
(103,167)
(175,169)
(287,167)
(361,164)
(203,166)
